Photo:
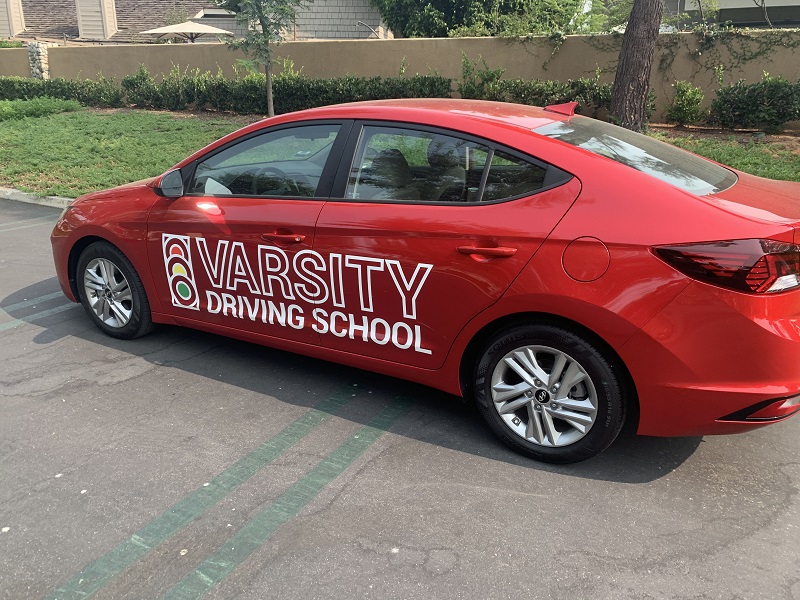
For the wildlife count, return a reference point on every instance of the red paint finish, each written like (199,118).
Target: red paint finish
(242,254)
(409,239)
(403,288)
(586,259)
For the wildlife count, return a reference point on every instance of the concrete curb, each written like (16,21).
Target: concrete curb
(54,201)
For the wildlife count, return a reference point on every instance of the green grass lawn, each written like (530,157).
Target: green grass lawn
(772,159)
(69,154)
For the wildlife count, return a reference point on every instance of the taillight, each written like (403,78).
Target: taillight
(754,266)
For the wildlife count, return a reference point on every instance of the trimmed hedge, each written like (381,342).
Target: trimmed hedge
(181,89)
(766,105)
(102,92)
(292,91)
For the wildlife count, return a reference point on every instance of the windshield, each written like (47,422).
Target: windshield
(662,161)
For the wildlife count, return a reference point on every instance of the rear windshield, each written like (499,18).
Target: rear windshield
(662,161)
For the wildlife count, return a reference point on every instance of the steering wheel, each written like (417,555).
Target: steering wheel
(285,179)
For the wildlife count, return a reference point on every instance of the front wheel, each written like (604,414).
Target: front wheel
(549,394)
(112,293)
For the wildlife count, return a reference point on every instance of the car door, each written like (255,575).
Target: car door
(430,229)
(223,253)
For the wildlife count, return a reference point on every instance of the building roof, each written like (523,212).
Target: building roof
(56,18)
(40,19)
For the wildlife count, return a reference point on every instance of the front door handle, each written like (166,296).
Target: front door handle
(498,252)
(289,238)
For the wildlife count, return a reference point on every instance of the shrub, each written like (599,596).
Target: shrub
(766,105)
(479,83)
(36,107)
(141,90)
(293,91)
(102,92)
(686,108)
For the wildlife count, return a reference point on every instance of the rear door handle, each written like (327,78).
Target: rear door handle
(499,252)
(289,238)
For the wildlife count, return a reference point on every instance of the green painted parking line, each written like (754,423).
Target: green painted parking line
(36,316)
(28,222)
(98,573)
(32,301)
(259,529)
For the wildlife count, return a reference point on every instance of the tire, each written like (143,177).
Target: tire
(519,380)
(112,293)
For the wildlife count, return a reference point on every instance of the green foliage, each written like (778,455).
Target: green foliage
(766,105)
(483,83)
(102,92)
(264,22)
(181,89)
(605,15)
(478,82)
(141,89)
(294,91)
(686,108)
(37,107)
(442,18)
(11,44)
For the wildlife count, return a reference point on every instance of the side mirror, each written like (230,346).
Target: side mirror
(171,184)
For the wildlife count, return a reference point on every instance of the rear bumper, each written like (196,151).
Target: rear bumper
(715,362)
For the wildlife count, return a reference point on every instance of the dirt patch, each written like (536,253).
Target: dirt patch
(205,115)
(788,139)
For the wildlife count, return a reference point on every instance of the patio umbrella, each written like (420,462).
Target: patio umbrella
(189,30)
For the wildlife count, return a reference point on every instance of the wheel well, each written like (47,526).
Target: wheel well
(74,255)
(480,339)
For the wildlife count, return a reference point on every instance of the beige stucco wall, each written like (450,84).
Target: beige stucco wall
(579,56)
(118,61)
(14,61)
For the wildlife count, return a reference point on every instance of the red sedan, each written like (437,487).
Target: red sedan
(565,273)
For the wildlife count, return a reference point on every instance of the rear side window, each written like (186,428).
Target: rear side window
(658,159)
(509,177)
(398,164)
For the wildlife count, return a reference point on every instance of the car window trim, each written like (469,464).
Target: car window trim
(329,170)
(557,177)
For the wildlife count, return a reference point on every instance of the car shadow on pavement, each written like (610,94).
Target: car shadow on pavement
(436,418)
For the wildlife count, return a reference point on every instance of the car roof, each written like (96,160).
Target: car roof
(456,114)
(434,110)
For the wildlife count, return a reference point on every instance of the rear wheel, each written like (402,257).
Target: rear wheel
(112,293)
(549,394)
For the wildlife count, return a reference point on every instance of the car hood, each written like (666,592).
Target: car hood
(119,190)
(762,199)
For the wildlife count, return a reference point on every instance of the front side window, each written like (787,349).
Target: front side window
(283,163)
(658,159)
(393,163)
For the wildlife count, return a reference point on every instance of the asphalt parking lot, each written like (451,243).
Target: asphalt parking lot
(184,464)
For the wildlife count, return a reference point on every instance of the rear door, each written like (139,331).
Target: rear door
(417,243)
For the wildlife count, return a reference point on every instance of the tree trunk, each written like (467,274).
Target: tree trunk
(632,81)
(270,105)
